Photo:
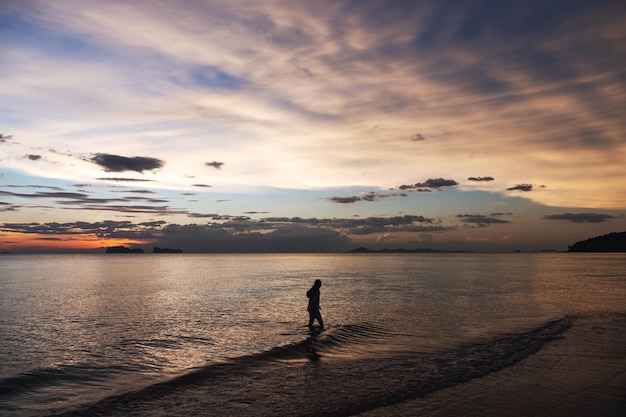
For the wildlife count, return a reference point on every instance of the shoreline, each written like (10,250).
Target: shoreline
(581,373)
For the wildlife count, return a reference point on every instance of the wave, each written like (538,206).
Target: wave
(83,374)
(296,379)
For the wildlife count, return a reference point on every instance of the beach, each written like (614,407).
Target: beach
(583,373)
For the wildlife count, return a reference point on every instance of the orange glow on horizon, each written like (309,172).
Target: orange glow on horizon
(23,242)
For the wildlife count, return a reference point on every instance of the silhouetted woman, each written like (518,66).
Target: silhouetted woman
(314,304)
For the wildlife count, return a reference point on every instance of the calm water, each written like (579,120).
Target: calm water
(76,329)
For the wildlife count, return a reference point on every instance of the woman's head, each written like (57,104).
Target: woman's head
(318,283)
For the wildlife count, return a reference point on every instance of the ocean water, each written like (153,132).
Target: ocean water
(187,334)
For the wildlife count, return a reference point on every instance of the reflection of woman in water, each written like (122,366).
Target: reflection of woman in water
(314,304)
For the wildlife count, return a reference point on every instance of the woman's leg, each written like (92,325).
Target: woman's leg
(318,316)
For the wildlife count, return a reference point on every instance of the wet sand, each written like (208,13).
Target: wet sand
(583,373)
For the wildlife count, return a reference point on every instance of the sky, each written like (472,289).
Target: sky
(311,126)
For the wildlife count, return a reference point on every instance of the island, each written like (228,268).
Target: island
(123,249)
(613,242)
(156,249)
(400,250)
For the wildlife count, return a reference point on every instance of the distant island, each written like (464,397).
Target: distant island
(613,242)
(123,249)
(156,249)
(401,250)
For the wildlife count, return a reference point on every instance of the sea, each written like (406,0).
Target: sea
(227,335)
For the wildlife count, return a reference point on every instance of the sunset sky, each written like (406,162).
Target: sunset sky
(254,126)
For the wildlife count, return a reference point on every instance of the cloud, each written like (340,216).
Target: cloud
(86,202)
(59,194)
(101,229)
(134,191)
(6,207)
(479,179)
(344,200)
(581,217)
(33,157)
(369,196)
(478,220)
(429,184)
(120,179)
(202,215)
(117,163)
(214,164)
(418,137)
(201,185)
(43,187)
(521,187)
(5,138)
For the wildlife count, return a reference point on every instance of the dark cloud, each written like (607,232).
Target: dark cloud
(5,207)
(478,179)
(118,179)
(120,208)
(288,234)
(33,157)
(148,200)
(80,198)
(214,164)
(521,187)
(117,163)
(42,187)
(415,190)
(224,233)
(102,229)
(580,217)
(429,184)
(58,194)
(201,185)
(134,191)
(5,138)
(202,215)
(83,202)
(418,137)
(344,200)
(478,220)
(369,196)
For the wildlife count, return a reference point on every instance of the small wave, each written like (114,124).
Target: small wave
(82,374)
